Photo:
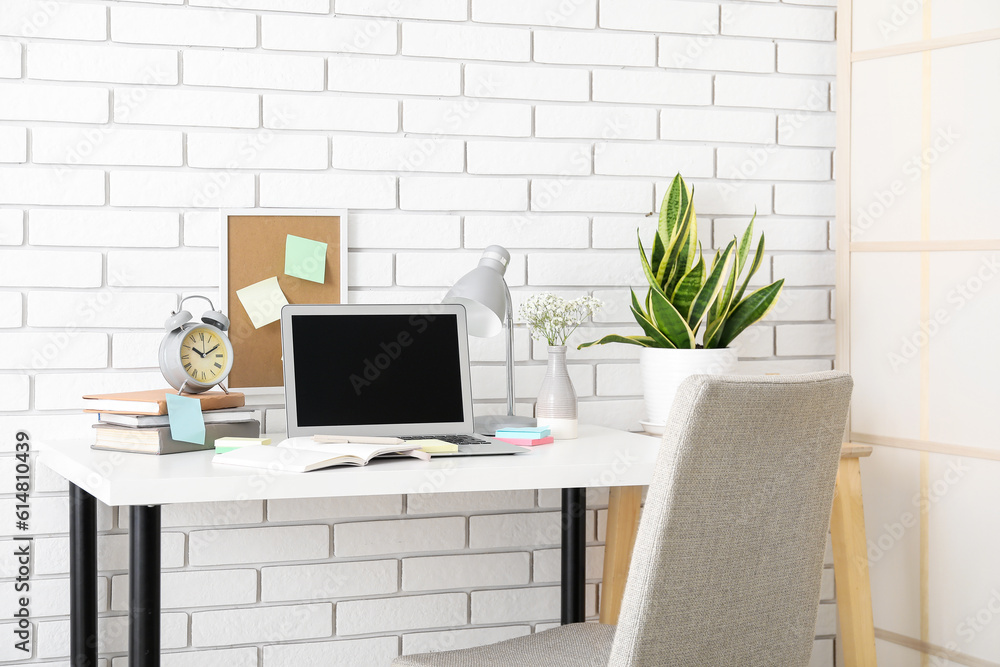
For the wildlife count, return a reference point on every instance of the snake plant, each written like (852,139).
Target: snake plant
(685,294)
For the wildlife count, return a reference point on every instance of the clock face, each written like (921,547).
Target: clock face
(204,355)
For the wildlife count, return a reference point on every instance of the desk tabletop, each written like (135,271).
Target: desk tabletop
(599,457)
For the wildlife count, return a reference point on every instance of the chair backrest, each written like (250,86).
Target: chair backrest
(728,557)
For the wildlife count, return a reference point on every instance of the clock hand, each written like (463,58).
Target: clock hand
(208,352)
(200,354)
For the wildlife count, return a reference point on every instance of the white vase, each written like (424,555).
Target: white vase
(664,369)
(557,404)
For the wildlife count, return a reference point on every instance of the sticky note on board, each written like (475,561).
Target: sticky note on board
(305,258)
(186,421)
(434,446)
(263,301)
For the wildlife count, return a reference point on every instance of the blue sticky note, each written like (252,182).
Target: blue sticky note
(186,421)
(523,432)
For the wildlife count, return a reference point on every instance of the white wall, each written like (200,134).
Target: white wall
(550,127)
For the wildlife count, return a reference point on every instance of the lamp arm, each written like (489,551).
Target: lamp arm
(509,332)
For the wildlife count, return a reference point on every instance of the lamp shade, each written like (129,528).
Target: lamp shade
(483,293)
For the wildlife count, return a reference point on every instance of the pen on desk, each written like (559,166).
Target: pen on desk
(357,439)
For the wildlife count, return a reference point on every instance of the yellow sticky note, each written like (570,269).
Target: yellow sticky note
(435,446)
(263,301)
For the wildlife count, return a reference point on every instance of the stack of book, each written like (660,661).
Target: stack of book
(527,436)
(137,421)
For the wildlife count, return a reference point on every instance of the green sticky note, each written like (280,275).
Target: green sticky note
(305,258)
(186,421)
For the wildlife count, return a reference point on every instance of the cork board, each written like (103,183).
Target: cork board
(253,249)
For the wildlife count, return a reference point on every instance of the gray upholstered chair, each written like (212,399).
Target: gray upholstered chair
(728,558)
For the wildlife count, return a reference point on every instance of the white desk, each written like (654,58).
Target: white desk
(599,457)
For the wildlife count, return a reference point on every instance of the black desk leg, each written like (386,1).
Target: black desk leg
(82,578)
(574,554)
(144,586)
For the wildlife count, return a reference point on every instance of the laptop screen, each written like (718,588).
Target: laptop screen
(389,367)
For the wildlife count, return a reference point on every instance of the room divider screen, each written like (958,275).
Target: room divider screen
(918,312)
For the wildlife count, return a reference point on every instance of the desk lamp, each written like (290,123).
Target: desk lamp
(484,293)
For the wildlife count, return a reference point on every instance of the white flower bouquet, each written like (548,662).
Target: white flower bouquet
(552,318)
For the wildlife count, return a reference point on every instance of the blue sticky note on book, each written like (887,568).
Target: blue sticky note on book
(525,432)
(186,421)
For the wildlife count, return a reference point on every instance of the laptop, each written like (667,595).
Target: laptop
(382,370)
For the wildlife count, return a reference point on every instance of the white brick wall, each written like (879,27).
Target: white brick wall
(548,126)
(114,64)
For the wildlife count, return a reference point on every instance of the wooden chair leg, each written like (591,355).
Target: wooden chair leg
(623,522)
(850,566)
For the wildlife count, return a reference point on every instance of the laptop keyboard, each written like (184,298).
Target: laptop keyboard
(454,439)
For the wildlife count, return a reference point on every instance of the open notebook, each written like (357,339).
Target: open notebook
(304,454)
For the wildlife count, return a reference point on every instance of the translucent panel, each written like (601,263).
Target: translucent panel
(894,655)
(957,17)
(885,315)
(879,23)
(964,555)
(891,485)
(885,149)
(964,355)
(965,89)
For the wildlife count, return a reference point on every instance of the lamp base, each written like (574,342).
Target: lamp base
(488,424)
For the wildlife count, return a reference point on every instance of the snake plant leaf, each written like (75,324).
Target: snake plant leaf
(712,332)
(715,259)
(670,322)
(685,255)
(679,241)
(757,259)
(636,305)
(658,249)
(744,246)
(642,341)
(687,289)
(673,205)
(721,306)
(692,260)
(710,290)
(659,340)
(750,310)
(646,268)
(646,320)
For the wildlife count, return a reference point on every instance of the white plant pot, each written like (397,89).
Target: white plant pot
(663,370)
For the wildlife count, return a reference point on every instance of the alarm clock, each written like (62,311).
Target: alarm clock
(195,356)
